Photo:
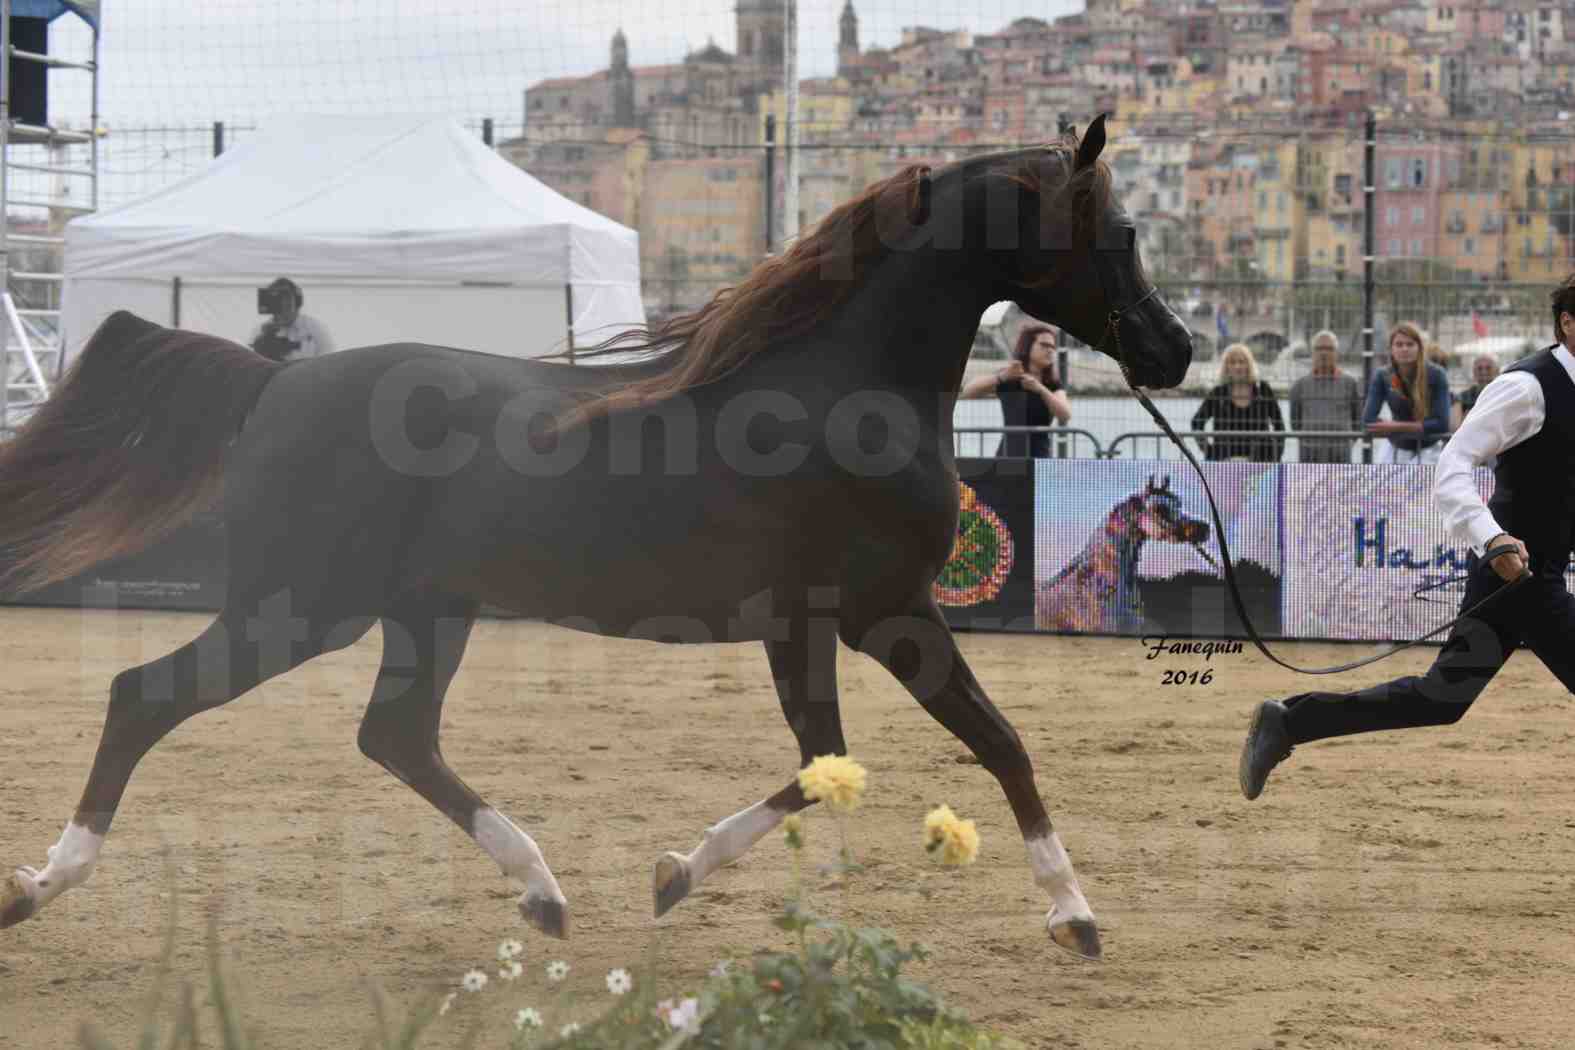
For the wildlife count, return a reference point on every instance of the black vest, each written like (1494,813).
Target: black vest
(1534,483)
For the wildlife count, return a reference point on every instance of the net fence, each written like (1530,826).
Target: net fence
(1237,143)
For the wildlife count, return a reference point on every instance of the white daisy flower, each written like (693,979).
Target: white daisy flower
(527,1018)
(619,981)
(510,950)
(511,970)
(685,1017)
(568,1029)
(557,970)
(722,968)
(448,1003)
(474,981)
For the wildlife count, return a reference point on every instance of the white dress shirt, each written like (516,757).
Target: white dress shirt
(1509,410)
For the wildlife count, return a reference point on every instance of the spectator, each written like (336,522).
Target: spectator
(1417,394)
(288,334)
(1029,389)
(1241,401)
(1483,371)
(1326,399)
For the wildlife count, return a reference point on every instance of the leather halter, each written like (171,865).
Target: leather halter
(1113,321)
(1113,333)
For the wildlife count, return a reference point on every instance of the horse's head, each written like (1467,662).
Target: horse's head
(1075,263)
(1156,514)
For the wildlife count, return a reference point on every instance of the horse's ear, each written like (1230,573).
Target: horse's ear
(1166,486)
(1092,144)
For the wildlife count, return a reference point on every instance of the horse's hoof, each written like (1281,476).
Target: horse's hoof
(672,882)
(1079,937)
(547,915)
(16,903)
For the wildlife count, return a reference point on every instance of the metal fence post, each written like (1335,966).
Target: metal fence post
(771,175)
(1369,180)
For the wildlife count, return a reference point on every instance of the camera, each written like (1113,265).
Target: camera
(276,298)
(274,346)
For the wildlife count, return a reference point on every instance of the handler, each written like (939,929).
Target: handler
(1526,417)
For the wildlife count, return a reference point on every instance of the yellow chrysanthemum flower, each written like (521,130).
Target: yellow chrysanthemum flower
(962,844)
(934,821)
(835,780)
(958,840)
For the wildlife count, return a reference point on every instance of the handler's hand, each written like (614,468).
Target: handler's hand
(1510,567)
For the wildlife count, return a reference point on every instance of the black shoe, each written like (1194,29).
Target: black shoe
(1268,744)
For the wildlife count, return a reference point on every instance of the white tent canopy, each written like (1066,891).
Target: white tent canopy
(394,228)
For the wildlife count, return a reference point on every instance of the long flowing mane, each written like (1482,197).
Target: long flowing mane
(789,294)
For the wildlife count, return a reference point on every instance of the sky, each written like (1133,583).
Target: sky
(174,62)
(170,65)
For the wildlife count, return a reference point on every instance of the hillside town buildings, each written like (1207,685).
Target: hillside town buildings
(1237,131)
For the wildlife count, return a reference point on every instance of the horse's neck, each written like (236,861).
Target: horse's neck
(1112,552)
(1131,547)
(913,322)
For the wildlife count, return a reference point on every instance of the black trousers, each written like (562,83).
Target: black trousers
(1539,612)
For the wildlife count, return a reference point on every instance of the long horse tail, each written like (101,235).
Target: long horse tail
(127,448)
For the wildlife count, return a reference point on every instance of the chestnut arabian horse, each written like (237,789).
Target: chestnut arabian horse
(775,466)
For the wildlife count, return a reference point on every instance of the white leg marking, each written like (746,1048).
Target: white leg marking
(71,861)
(1053,873)
(516,853)
(730,839)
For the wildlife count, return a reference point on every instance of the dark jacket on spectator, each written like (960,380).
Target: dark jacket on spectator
(1262,413)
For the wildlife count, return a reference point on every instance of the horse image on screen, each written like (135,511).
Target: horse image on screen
(1127,548)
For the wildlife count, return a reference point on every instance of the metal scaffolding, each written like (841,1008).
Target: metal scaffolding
(30,293)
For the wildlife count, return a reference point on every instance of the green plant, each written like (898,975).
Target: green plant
(842,989)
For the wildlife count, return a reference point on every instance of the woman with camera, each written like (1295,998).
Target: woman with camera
(288,334)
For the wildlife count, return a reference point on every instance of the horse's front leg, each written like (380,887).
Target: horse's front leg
(805,670)
(919,650)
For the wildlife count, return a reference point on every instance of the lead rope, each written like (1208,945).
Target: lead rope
(1114,329)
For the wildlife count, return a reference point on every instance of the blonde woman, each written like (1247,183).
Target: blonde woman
(1241,401)
(1417,393)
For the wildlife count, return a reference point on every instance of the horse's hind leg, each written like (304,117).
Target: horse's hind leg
(920,651)
(424,636)
(805,670)
(236,652)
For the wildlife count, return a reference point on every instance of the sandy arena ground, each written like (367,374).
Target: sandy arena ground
(1404,890)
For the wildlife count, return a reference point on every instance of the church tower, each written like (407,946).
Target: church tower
(848,40)
(762,28)
(620,81)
